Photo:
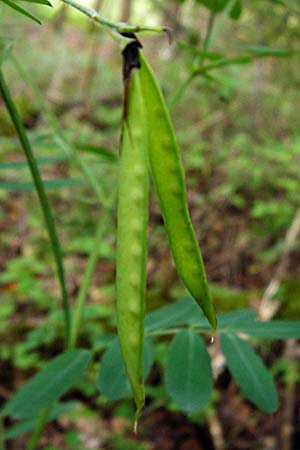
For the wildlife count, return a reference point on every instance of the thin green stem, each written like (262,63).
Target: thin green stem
(213,28)
(238,60)
(112,25)
(223,16)
(86,281)
(1,434)
(50,224)
(209,32)
(60,137)
(180,91)
(41,421)
(207,42)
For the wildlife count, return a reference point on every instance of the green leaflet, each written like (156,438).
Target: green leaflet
(21,10)
(27,425)
(250,372)
(112,380)
(38,2)
(56,378)
(188,372)
(132,235)
(168,175)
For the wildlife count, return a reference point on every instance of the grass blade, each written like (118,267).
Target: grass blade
(21,10)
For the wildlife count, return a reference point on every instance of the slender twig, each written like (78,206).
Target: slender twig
(50,224)
(112,25)
(213,28)
(216,431)
(204,70)
(41,421)
(244,59)
(180,91)
(268,306)
(209,32)
(207,42)
(223,16)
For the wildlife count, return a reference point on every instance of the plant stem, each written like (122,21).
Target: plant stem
(207,42)
(223,17)
(1,434)
(35,437)
(115,26)
(212,29)
(222,63)
(86,281)
(209,32)
(50,224)
(180,91)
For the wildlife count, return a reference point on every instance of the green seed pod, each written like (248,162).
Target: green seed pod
(168,175)
(132,226)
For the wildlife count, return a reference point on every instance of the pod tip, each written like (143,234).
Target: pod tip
(213,323)
(139,409)
(212,317)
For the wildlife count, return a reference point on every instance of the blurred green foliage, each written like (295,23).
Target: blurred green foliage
(239,134)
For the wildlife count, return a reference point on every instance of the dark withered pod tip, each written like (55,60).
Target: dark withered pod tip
(130,54)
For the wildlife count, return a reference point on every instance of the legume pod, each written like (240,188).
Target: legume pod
(132,227)
(168,175)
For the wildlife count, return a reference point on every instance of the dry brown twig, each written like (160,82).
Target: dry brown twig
(268,306)
(267,309)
